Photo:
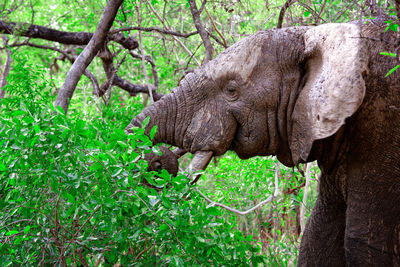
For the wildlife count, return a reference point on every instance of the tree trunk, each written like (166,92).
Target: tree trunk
(6,70)
(87,55)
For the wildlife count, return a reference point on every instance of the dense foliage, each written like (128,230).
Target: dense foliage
(72,186)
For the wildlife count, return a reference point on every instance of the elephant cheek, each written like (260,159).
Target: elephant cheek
(250,142)
(210,131)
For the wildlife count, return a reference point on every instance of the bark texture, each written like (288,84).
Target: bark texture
(87,55)
(202,31)
(6,70)
(69,38)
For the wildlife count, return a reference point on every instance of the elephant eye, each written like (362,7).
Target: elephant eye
(231,93)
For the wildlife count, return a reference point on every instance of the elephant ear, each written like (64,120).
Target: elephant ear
(334,88)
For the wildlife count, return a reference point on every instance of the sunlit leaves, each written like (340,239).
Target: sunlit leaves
(77,182)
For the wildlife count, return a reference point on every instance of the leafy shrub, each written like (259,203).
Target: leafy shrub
(71,190)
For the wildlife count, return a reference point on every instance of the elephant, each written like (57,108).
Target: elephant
(167,160)
(302,94)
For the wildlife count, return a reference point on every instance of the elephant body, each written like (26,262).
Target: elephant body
(303,94)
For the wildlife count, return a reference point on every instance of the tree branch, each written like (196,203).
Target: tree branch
(374,8)
(175,38)
(146,76)
(282,12)
(156,29)
(203,33)
(216,29)
(6,70)
(153,66)
(397,5)
(305,195)
(217,40)
(87,55)
(133,89)
(237,212)
(69,38)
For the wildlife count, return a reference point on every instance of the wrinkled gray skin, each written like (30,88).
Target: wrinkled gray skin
(304,94)
(167,160)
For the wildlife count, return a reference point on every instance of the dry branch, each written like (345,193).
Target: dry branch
(69,38)
(87,55)
(6,70)
(237,212)
(397,4)
(133,89)
(153,66)
(305,196)
(127,86)
(142,54)
(216,29)
(283,11)
(202,31)
(175,38)
(155,29)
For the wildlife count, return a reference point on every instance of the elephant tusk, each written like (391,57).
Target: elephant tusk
(200,161)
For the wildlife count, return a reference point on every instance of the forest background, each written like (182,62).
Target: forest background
(74,188)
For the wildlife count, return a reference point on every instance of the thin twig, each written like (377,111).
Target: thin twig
(312,11)
(216,29)
(322,8)
(16,222)
(304,201)
(175,38)
(153,67)
(397,5)
(237,212)
(109,83)
(144,251)
(156,29)
(142,53)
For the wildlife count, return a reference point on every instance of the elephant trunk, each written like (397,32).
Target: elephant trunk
(176,114)
(191,118)
(162,114)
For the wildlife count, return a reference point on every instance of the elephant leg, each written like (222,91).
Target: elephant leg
(323,239)
(372,236)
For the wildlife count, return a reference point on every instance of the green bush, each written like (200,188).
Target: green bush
(71,190)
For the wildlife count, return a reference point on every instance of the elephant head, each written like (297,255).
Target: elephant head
(273,93)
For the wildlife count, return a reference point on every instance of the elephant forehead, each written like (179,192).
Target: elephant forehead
(240,59)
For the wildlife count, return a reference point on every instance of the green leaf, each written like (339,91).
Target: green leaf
(36,128)
(163,227)
(307,13)
(122,144)
(249,238)
(146,121)
(389,54)
(27,229)
(18,113)
(167,202)
(153,132)
(394,27)
(392,70)
(12,232)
